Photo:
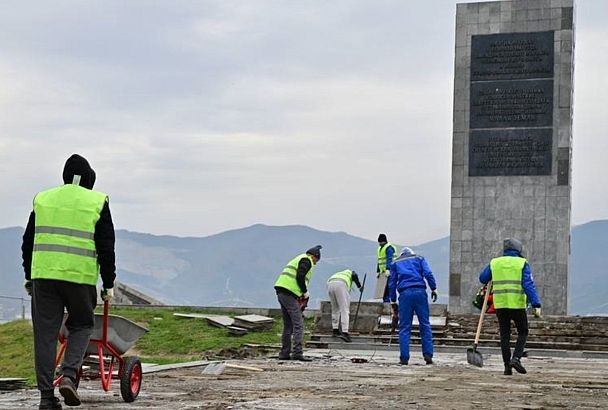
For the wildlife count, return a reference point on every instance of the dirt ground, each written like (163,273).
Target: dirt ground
(333,381)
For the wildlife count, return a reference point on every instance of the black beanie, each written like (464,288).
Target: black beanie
(382,238)
(315,251)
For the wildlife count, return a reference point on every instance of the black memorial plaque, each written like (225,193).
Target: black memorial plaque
(510,152)
(511,56)
(506,104)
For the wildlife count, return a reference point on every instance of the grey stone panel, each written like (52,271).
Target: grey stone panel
(529,207)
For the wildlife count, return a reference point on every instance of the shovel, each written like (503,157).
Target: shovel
(473,356)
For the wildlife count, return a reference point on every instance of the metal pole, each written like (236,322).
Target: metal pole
(359,303)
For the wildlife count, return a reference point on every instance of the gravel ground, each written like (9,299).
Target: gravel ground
(333,381)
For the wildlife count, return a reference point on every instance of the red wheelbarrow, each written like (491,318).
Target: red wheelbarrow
(111,338)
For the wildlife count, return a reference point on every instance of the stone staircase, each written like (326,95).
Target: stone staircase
(372,330)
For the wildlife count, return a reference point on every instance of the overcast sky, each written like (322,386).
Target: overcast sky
(203,116)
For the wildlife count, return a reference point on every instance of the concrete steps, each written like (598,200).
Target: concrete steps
(372,330)
(381,342)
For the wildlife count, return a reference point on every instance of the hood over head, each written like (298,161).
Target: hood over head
(78,166)
(512,244)
(407,252)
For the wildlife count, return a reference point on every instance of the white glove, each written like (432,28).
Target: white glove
(107,294)
(537,312)
(387,273)
(306,295)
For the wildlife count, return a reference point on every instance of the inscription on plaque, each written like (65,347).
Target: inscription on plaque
(512,56)
(510,152)
(511,92)
(504,104)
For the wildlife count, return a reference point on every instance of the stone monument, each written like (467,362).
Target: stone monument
(512,143)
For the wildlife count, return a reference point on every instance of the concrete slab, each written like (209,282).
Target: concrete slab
(220,321)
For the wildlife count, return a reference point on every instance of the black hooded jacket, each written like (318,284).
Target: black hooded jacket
(104,229)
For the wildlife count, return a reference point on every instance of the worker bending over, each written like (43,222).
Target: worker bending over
(339,286)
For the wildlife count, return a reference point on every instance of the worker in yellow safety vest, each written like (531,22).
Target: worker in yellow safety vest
(292,292)
(339,286)
(387,253)
(513,288)
(67,244)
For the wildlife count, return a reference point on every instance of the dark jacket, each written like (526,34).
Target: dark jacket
(104,229)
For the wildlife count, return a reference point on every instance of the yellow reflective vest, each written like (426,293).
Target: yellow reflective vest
(345,276)
(287,278)
(507,272)
(64,244)
(382,256)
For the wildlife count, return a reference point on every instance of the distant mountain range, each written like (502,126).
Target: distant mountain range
(239,267)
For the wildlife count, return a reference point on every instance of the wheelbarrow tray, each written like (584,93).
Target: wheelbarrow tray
(122,333)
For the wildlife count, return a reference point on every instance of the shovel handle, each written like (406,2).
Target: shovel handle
(483,311)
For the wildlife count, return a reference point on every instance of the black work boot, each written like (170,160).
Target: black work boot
(49,403)
(428,359)
(346,337)
(335,333)
(508,371)
(403,362)
(67,389)
(301,358)
(516,364)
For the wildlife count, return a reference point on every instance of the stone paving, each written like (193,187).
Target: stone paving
(333,381)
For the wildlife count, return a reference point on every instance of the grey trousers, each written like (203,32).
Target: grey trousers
(49,298)
(339,296)
(293,325)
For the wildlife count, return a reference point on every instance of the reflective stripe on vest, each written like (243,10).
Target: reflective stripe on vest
(64,244)
(287,278)
(346,276)
(382,256)
(507,273)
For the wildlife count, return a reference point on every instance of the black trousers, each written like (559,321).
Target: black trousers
(518,316)
(49,298)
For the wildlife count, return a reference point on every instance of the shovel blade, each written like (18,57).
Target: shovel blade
(474,357)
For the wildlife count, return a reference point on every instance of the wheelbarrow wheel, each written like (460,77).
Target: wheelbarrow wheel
(130,379)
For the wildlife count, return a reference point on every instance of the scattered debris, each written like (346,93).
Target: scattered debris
(12,383)
(254,322)
(146,369)
(216,369)
(220,321)
(242,352)
(237,331)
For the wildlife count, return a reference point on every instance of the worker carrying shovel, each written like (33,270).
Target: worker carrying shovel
(408,275)
(339,286)
(513,286)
